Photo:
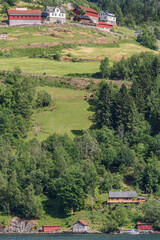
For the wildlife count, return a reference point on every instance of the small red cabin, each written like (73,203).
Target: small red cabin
(47,228)
(144,226)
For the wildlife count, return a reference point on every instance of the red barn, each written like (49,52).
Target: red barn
(88,11)
(21,17)
(49,228)
(104,25)
(144,226)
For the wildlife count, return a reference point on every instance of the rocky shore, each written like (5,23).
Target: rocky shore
(22,226)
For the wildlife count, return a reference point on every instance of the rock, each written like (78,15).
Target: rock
(18,225)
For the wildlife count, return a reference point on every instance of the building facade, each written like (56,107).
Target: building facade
(23,16)
(83,19)
(91,13)
(80,226)
(125,197)
(144,226)
(108,17)
(55,14)
(49,228)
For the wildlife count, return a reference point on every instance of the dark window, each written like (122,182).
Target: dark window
(33,17)
(21,17)
(17,17)
(29,17)
(25,17)
(13,16)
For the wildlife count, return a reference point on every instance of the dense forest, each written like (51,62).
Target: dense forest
(121,148)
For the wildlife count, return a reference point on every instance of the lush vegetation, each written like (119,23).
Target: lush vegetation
(119,151)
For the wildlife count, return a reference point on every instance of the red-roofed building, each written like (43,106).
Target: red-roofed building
(91,13)
(80,226)
(23,16)
(50,228)
(104,25)
(144,226)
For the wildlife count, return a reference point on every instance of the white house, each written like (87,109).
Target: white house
(56,14)
(108,17)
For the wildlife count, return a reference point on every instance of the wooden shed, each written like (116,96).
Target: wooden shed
(144,226)
(80,226)
(49,228)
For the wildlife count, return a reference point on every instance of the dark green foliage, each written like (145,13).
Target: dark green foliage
(103,105)
(43,99)
(104,67)
(147,39)
(5,7)
(70,189)
(152,212)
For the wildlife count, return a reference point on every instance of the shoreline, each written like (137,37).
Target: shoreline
(74,233)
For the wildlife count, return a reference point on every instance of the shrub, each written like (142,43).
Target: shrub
(43,99)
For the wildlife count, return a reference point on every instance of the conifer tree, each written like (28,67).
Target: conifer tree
(124,110)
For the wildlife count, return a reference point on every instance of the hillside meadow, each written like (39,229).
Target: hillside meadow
(68,114)
(33,48)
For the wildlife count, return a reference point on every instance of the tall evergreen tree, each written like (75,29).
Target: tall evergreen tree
(124,110)
(103,105)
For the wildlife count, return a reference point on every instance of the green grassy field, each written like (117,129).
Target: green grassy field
(39,66)
(114,53)
(70,114)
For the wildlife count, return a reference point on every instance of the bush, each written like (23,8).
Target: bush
(148,40)
(43,99)
(57,56)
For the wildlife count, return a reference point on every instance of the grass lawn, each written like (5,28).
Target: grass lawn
(70,114)
(39,66)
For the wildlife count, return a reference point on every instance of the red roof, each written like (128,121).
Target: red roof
(51,226)
(139,223)
(24,12)
(88,9)
(104,23)
(83,222)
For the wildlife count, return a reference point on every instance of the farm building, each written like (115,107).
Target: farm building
(80,226)
(125,197)
(104,25)
(144,226)
(49,228)
(91,13)
(54,14)
(23,16)
(108,17)
(83,19)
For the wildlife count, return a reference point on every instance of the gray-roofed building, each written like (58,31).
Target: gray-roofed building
(108,17)
(83,19)
(137,33)
(55,14)
(124,197)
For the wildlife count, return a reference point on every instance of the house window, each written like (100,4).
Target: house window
(29,17)
(17,16)
(62,14)
(55,14)
(25,17)
(21,17)
(13,16)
